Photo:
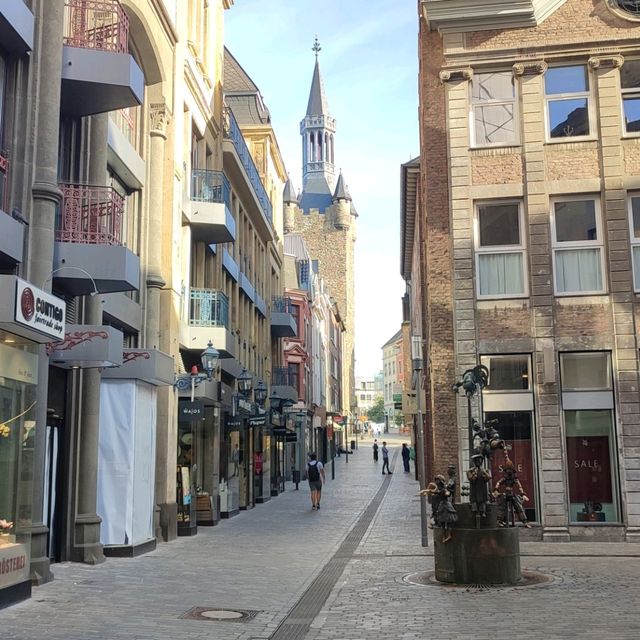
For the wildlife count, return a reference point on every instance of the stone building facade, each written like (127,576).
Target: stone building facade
(529,223)
(324,214)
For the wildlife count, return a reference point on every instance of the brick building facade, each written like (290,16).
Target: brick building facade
(528,225)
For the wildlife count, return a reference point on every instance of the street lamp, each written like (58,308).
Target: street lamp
(473,382)
(245,382)
(416,356)
(260,393)
(209,359)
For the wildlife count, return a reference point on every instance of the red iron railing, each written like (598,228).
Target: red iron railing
(96,24)
(4,181)
(90,215)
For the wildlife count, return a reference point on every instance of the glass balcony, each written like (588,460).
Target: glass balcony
(232,132)
(208,308)
(210,186)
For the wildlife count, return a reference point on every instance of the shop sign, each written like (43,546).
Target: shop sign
(39,310)
(14,564)
(259,421)
(244,405)
(191,411)
(397,397)
(233,424)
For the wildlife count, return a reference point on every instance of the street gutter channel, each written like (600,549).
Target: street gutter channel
(297,623)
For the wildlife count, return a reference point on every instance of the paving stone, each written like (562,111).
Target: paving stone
(266,558)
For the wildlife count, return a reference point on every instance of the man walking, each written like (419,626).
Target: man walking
(315,475)
(385,458)
(405,457)
(375,451)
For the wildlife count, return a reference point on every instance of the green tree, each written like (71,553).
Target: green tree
(376,413)
(398,418)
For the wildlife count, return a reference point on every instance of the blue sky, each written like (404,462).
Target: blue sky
(369,64)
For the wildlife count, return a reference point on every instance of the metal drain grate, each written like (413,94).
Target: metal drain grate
(529,579)
(212,614)
(298,621)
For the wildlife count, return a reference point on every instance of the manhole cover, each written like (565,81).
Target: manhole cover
(529,579)
(222,615)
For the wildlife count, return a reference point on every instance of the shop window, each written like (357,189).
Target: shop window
(568,101)
(19,365)
(516,428)
(507,373)
(578,259)
(634,228)
(630,87)
(591,463)
(590,437)
(499,250)
(493,109)
(585,371)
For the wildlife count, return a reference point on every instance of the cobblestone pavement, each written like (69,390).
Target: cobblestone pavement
(265,559)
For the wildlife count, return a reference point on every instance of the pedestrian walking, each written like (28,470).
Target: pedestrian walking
(385,458)
(375,451)
(412,455)
(405,457)
(315,475)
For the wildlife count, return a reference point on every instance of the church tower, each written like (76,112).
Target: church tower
(325,215)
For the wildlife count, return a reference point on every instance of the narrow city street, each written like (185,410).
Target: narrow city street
(338,573)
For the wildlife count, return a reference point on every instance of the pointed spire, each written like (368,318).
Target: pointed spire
(289,194)
(341,192)
(317,105)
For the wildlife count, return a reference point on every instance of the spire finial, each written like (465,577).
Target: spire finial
(316,47)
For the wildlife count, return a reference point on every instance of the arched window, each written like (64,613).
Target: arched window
(319,158)
(331,145)
(326,147)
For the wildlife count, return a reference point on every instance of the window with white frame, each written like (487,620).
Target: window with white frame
(499,250)
(493,109)
(630,87)
(568,101)
(578,260)
(634,227)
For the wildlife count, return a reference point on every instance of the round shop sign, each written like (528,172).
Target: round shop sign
(27,303)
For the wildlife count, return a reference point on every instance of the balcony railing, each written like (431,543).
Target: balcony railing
(232,132)
(208,308)
(284,377)
(4,181)
(90,215)
(281,304)
(96,24)
(210,186)
(125,120)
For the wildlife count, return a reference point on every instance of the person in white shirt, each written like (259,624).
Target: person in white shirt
(315,475)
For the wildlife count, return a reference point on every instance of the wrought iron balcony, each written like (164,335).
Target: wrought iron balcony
(96,24)
(281,304)
(208,308)
(232,132)
(90,215)
(210,186)
(283,377)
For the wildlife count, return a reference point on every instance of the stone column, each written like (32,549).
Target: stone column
(554,515)
(86,545)
(464,326)
(46,63)
(166,427)
(616,222)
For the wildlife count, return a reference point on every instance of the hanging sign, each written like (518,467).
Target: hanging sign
(191,411)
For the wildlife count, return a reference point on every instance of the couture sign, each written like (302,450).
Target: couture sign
(14,564)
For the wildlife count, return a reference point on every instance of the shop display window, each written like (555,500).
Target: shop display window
(516,428)
(592,467)
(19,374)
(593,492)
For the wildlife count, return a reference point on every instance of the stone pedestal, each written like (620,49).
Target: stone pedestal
(488,555)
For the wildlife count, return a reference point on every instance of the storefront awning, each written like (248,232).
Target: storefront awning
(87,347)
(148,365)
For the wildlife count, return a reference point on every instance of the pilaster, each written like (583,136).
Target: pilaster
(554,513)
